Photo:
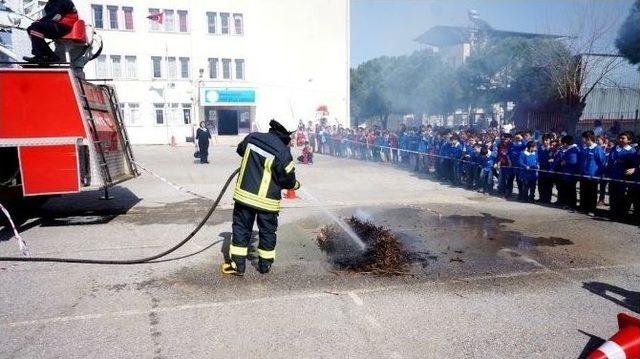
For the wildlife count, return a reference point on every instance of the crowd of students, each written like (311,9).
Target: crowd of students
(584,171)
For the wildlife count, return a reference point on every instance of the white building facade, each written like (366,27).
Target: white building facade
(234,64)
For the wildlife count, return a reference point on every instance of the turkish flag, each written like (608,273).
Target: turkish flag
(159,18)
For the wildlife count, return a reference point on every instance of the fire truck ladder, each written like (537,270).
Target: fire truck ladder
(102,160)
(115,107)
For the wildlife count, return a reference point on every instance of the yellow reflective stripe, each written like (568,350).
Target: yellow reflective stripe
(268,201)
(252,199)
(238,251)
(243,166)
(297,186)
(289,167)
(250,202)
(266,178)
(264,254)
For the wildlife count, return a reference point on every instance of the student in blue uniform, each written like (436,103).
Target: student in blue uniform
(545,179)
(528,163)
(487,162)
(455,153)
(414,145)
(423,148)
(621,161)
(515,150)
(567,165)
(474,166)
(635,188)
(592,163)
(445,160)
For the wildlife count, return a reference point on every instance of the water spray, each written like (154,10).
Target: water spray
(345,227)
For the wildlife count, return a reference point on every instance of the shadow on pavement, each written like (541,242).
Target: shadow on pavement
(594,343)
(82,208)
(622,297)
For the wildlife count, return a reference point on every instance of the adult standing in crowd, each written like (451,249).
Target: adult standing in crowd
(621,168)
(592,162)
(567,165)
(203,136)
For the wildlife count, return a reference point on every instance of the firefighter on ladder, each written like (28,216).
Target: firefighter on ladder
(58,20)
(267,168)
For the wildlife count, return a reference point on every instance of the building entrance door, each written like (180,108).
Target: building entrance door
(227,122)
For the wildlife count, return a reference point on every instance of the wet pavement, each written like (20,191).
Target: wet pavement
(487,278)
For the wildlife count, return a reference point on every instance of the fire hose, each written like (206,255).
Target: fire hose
(138,260)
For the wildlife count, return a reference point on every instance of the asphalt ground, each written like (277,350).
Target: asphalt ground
(488,278)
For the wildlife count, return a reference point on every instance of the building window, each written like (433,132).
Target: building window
(237,23)
(183,21)
(134,113)
(226,69)
(157,66)
(128,17)
(169,21)
(213,68)
(131,113)
(98,20)
(211,22)
(224,23)
(186,113)
(172,69)
(159,112)
(240,69)
(131,66)
(116,66)
(155,26)
(101,67)
(113,17)
(174,114)
(184,67)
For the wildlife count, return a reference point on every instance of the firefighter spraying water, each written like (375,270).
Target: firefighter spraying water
(267,168)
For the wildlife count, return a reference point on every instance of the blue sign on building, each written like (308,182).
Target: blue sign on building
(219,96)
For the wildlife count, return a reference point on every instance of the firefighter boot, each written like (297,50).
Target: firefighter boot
(264,266)
(231,269)
(47,59)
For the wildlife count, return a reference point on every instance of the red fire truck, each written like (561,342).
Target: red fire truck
(59,134)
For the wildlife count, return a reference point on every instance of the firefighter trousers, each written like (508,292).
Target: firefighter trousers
(243,219)
(40,30)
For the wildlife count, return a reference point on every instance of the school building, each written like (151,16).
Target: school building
(234,64)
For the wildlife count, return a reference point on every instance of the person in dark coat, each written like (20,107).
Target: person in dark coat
(203,136)
(58,20)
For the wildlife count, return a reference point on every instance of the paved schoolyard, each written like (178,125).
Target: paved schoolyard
(491,279)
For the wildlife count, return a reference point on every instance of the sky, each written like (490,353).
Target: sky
(388,27)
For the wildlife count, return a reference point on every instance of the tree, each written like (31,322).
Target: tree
(579,64)
(628,40)
(505,70)
(369,94)
(419,83)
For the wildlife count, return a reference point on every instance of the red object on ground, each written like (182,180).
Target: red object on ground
(78,30)
(49,169)
(625,344)
(291,194)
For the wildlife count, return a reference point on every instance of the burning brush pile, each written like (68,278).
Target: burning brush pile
(383,254)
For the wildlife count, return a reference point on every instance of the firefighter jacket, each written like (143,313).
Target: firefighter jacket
(62,11)
(267,168)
